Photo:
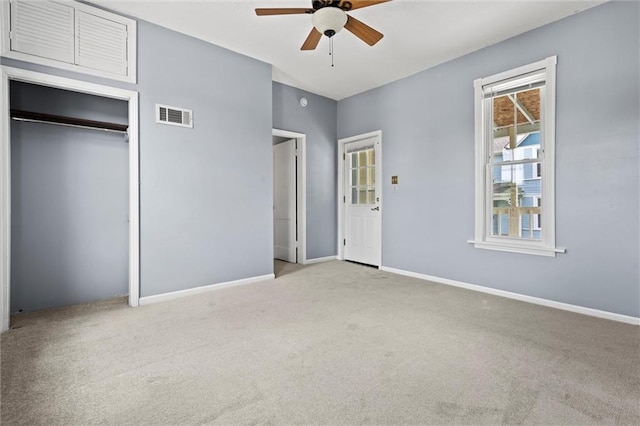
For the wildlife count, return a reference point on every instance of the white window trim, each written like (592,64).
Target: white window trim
(131,24)
(483,238)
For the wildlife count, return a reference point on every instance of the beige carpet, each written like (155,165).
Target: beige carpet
(332,343)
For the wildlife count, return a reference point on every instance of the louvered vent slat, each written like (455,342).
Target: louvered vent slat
(37,37)
(115,37)
(102,44)
(174,116)
(43,29)
(40,12)
(97,51)
(111,41)
(112,44)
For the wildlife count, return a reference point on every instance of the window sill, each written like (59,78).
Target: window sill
(517,248)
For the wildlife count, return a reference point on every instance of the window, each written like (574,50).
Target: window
(362,181)
(515,132)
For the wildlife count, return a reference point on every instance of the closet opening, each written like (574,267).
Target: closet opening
(70,193)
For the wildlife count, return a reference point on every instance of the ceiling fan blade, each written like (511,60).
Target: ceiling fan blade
(359,4)
(363,31)
(283,11)
(312,40)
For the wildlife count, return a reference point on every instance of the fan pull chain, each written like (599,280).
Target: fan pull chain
(331,50)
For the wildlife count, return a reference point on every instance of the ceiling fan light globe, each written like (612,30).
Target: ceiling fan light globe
(329,20)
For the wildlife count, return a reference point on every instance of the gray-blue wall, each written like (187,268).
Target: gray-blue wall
(69,202)
(206,192)
(428,141)
(318,121)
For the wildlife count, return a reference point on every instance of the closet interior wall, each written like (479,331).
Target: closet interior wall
(69,201)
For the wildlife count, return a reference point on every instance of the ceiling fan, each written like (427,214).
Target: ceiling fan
(329,17)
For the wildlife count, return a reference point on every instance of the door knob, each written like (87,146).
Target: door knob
(375,209)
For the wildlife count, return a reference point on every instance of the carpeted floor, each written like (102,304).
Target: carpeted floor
(331,343)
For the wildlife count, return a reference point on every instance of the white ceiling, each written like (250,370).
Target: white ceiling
(419,34)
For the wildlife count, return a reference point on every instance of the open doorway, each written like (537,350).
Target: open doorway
(285,199)
(14,74)
(289,171)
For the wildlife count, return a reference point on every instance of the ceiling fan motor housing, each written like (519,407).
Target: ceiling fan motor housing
(329,20)
(319,4)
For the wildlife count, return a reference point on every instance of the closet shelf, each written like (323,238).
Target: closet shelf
(67,121)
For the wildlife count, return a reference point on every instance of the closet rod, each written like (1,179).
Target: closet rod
(37,117)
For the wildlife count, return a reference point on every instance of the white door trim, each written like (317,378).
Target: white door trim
(301,177)
(341,195)
(17,74)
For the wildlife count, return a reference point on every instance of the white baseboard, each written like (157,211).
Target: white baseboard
(148,300)
(521,297)
(319,260)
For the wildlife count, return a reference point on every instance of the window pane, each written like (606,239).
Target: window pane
(503,113)
(515,196)
(516,126)
(511,181)
(527,148)
(362,176)
(362,196)
(371,196)
(362,158)
(371,157)
(529,103)
(371,176)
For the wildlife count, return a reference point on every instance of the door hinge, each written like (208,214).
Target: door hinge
(344,157)
(344,199)
(344,242)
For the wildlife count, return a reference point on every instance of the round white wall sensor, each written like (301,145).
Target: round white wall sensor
(303,102)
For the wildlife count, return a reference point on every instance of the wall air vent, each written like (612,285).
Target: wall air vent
(174,116)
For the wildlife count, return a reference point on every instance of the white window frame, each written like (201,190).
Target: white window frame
(131,77)
(483,141)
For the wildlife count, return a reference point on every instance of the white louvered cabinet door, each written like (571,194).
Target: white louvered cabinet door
(43,29)
(101,44)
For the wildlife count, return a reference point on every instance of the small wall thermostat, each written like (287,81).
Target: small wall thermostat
(303,102)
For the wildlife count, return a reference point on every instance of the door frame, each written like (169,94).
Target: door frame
(17,74)
(301,192)
(342,143)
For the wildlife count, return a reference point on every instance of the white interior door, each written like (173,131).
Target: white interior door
(284,201)
(362,215)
